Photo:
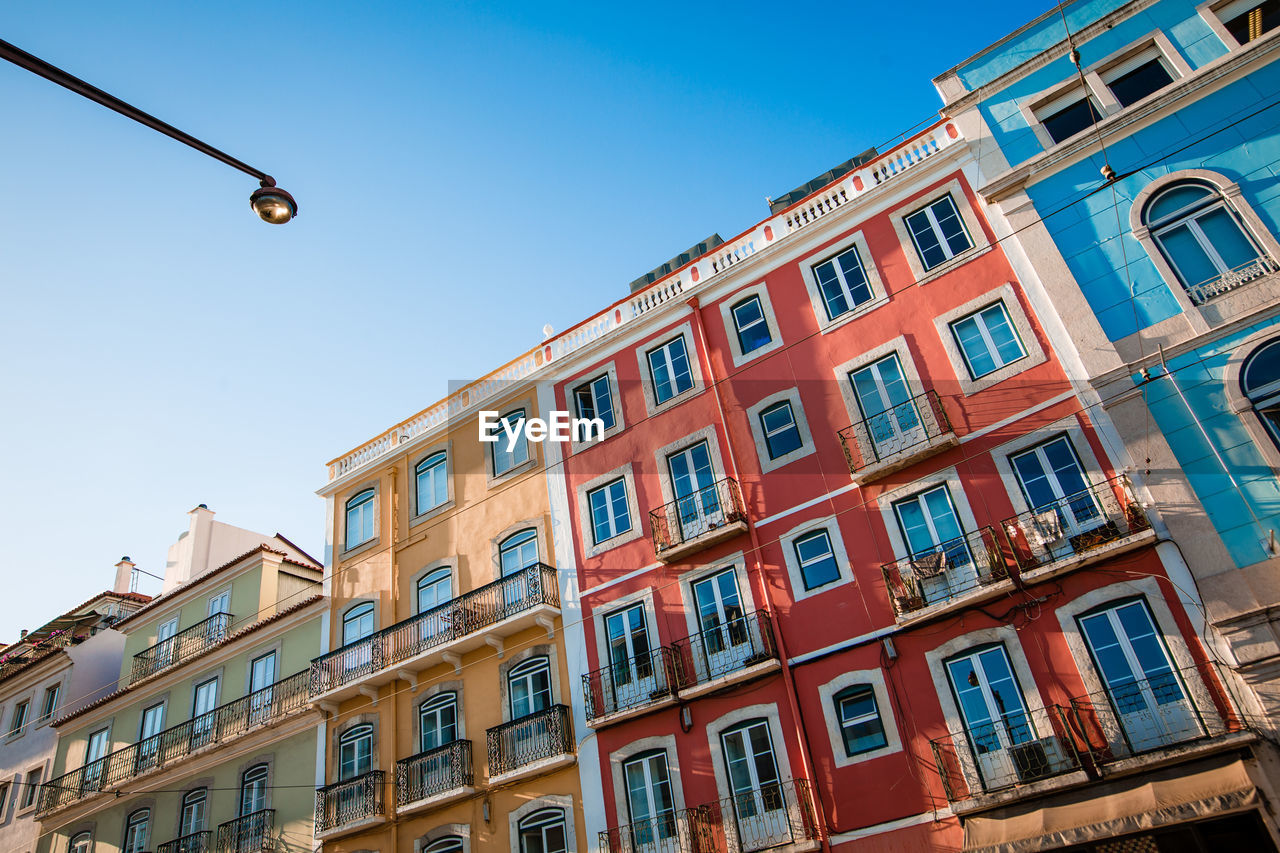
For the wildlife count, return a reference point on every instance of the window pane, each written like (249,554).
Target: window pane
(860,721)
(969,337)
(944,211)
(818,565)
(927,242)
(1253,23)
(1226,236)
(603,401)
(1133,86)
(1070,120)
(781,435)
(833,295)
(752,328)
(1185,255)
(1180,199)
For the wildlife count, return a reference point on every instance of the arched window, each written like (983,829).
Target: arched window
(80,843)
(448,844)
(1202,238)
(357,622)
(529,687)
(1260,381)
(135,831)
(431,478)
(360,519)
(507,454)
(518,551)
(355,752)
(435,588)
(543,832)
(253,789)
(438,720)
(194,808)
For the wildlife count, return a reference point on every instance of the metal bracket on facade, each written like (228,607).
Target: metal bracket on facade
(496,642)
(548,623)
(455,660)
(411,677)
(371,692)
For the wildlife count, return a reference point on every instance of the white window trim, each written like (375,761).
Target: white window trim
(1007,295)
(546,650)
(563,802)
(534,448)
(451,563)
(1241,405)
(806,448)
(462,830)
(227,590)
(760,291)
(416,517)
(1070,426)
(879,293)
(736,562)
(874,678)
(685,330)
(787,541)
(347,607)
(619,757)
(959,501)
(586,526)
(19,809)
(977,235)
(707,434)
(1210,12)
(495,544)
(602,611)
(456,688)
(896,346)
(377,519)
(571,403)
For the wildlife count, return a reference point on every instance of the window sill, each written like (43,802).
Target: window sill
(579,446)
(956,262)
(359,549)
(825,326)
(434,512)
(511,473)
(609,544)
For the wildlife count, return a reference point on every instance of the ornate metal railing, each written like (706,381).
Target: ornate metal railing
(474,611)
(252,833)
(180,646)
(435,771)
(1075,524)
(352,801)
(898,429)
(945,571)
(196,842)
(1021,748)
(731,646)
(632,683)
(543,734)
(16,660)
(1231,279)
(223,723)
(697,514)
(684,831)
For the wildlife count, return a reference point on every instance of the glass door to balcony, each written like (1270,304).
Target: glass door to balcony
(941,561)
(893,423)
(631,674)
(1145,692)
(434,590)
(165,651)
(693,481)
(528,692)
(515,554)
(1062,507)
(262,677)
(203,703)
(95,752)
(653,817)
(357,656)
(995,718)
(723,641)
(148,737)
(759,808)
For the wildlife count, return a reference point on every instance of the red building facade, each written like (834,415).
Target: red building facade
(856,566)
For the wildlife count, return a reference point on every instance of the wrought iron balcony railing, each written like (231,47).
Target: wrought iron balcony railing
(707,512)
(1075,524)
(684,831)
(223,723)
(1018,749)
(898,432)
(945,571)
(180,646)
(1231,279)
(343,804)
(434,772)
(195,842)
(21,658)
(530,739)
(722,650)
(474,611)
(252,833)
(631,684)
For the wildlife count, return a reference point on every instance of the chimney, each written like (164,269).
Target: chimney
(124,576)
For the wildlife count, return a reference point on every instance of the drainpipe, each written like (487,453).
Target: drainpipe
(788,681)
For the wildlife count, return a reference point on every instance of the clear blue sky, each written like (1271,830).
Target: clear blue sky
(466,172)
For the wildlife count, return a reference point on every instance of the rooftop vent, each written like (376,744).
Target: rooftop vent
(835,174)
(678,261)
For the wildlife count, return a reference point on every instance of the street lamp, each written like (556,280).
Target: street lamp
(271,203)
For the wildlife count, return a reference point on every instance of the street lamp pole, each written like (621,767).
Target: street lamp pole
(271,203)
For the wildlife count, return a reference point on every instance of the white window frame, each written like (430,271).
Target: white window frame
(348,547)
(563,802)
(879,293)
(761,292)
(684,330)
(499,449)
(807,446)
(586,537)
(1215,15)
(769,713)
(618,759)
(830,524)
(1006,294)
(607,489)
(16,729)
(609,369)
(977,234)
(959,503)
(419,514)
(873,678)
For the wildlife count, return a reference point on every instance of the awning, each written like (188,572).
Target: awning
(1109,809)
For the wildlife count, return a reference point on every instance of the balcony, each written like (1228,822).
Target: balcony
(253,833)
(730,653)
(629,688)
(958,571)
(196,842)
(698,520)
(685,831)
(1102,521)
(37,650)
(481,617)
(434,777)
(897,437)
(537,743)
(221,725)
(180,646)
(1231,279)
(1024,748)
(350,806)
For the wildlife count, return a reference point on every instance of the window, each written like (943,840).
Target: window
(148,736)
(529,687)
(1260,381)
(724,640)
(435,589)
(649,799)
(759,807)
(543,832)
(135,831)
(594,399)
(781,435)
(670,370)
(859,717)
(1138,76)
(80,843)
(19,719)
(1055,487)
(818,566)
(360,518)
(4,799)
(518,551)
(203,703)
(355,752)
(50,703)
(993,711)
(750,324)
(935,541)
(938,232)
(1067,116)
(508,455)
(220,603)
(31,788)
(448,844)
(987,340)
(693,480)
(438,721)
(1202,239)
(357,623)
(262,679)
(887,407)
(253,789)
(610,516)
(95,750)
(842,280)
(630,656)
(1248,19)
(431,482)
(194,811)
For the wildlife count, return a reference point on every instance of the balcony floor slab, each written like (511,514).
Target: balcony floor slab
(605,720)
(435,801)
(1057,568)
(706,540)
(903,458)
(352,828)
(738,676)
(534,768)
